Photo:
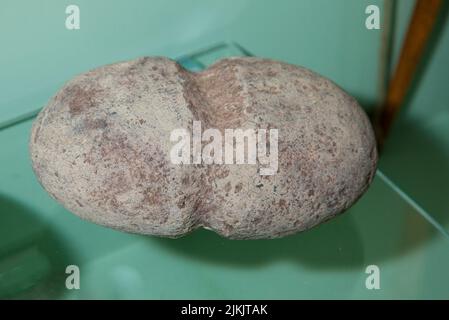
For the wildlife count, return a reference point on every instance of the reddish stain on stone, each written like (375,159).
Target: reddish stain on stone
(82,98)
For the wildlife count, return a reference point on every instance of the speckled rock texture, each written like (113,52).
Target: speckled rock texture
(102,148)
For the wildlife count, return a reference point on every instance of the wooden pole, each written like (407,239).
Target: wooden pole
(418,33)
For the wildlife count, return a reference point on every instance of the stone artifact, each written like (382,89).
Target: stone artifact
(104,147)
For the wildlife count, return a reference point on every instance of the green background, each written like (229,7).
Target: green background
(400,225)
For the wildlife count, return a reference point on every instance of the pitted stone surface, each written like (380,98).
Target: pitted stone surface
(101,147)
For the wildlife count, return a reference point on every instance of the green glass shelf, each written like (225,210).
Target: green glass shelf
(39,239)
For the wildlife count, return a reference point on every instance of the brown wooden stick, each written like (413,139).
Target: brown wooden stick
(419,30)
